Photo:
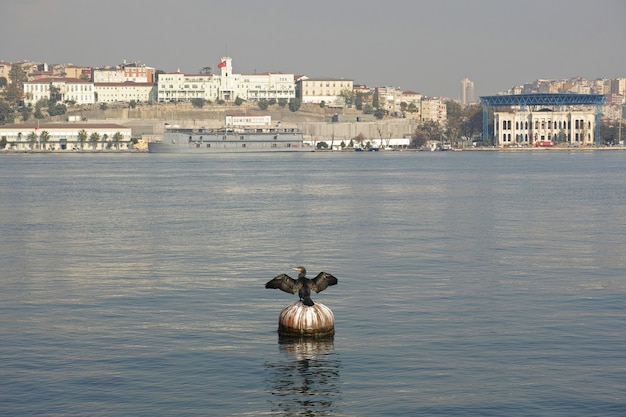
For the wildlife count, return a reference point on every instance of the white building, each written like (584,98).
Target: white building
(125,92)
(226,86)
(328,90)
(177,86)
(536,128)
(64,89)
(65,136)
(268,86)
(239,120)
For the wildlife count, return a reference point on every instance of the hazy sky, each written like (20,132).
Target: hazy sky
(426,46)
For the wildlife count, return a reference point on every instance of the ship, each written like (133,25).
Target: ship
(231,139)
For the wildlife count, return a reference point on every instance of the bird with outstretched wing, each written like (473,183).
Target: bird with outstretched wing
(302,284)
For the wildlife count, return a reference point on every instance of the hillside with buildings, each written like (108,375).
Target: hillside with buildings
(147,100)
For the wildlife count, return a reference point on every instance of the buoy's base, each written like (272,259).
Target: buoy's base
(298,320)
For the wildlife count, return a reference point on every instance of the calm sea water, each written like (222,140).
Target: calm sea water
(470,284)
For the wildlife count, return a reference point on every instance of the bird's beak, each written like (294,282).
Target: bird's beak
(296,269)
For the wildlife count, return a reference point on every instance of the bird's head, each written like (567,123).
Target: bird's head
(301,270)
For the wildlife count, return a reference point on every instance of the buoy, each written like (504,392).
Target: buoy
(300,320)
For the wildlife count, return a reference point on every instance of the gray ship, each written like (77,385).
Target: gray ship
(230,140)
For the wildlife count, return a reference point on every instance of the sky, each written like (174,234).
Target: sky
(426,46)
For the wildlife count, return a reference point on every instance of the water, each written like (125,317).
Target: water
(470,284)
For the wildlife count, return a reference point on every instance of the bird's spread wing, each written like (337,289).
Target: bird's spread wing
(284,282)
(322,281)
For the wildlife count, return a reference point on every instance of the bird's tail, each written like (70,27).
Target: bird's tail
(307,301)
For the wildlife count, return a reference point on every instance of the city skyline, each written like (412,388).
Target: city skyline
(423,46)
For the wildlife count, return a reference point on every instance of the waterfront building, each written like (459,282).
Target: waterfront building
(528,128)
(65,136)
(328,90)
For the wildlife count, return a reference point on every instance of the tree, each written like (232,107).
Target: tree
(104,106)
(472,121)
(376,99)
(360,138)
(359,99)
(6,113)
(263,104)
(197,102)
(322,145)
(117,137)
(455,117)
(282,102)
(38,114)
(94,138)
(294,104)
(82,137)
(15,90)
(44,137)
(32,138)
(57,109)
(379,113)
(55,95)
(426,131)
(239,101)
(348,97)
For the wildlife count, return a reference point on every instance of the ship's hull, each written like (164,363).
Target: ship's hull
(196,141)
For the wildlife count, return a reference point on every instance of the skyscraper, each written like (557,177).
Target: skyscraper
(467,92)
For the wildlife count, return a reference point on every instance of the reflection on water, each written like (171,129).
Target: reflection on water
(305,380)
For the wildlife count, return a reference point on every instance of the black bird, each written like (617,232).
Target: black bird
(303,284)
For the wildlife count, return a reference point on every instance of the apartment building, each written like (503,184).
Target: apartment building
(434,109)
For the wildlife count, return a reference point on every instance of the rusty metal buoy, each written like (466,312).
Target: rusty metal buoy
(301,320)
